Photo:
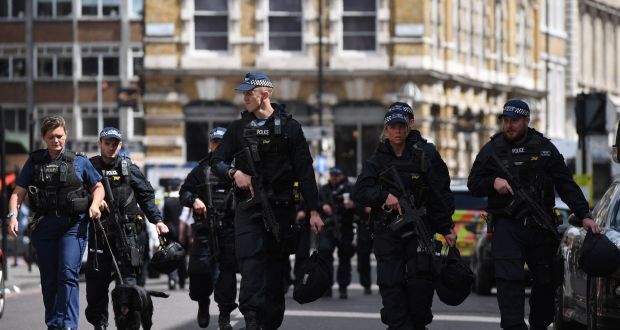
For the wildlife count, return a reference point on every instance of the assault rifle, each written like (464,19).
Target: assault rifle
(117,220)
(245,163)
(335,217)
(523,197)
(213,221)
(411,215)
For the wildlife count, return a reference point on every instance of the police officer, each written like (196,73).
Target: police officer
(130,189)
(281,155)
(404,275)
(536,163)
(338,210)
(55,180)
(204,269)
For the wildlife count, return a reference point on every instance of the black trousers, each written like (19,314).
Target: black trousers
(328,244)
(516,242)
(206,276)
(263,263)
(364,249)
(100,271)
(406,291)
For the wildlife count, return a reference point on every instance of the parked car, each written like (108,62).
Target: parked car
(466,217)
(481,262)
(2,292)
(581,299)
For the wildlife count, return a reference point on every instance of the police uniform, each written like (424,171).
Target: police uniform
(338,232)
(56,188)
(363,248)
(537,164)
(206,274)
(404,276)
(284,156)
(130,188)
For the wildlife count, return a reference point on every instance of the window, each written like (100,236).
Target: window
(53,8)
(110,8)
(54,62)
(285,25)
(45,67)
(12,8)
(12,67)
(359,30)
(137,9)
(15,119)
(100,60)
(90,119)
(211,25)
(136,62)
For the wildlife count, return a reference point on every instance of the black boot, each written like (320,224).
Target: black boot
(224,322)
(203,315)
(100,327)
(251,321)
(343,293)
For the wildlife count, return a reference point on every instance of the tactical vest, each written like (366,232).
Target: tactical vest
(221,191)
(526,164)
(269,147)
(56,188)
(412,172)
(119,176)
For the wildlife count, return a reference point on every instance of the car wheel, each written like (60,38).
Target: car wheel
(591,304)
(2,293)
(484,281)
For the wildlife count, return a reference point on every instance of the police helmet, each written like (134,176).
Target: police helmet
(169,257)
(600,257)
(314,282)
(454,281)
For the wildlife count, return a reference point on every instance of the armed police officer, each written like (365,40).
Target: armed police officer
(130,189)
(270,153)
(519,161)
(212,254)
(407,186)
(56,181)
(338,210)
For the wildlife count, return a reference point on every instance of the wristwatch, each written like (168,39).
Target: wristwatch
(11,214)
(231,173)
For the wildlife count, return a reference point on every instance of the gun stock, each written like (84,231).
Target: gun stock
(245,163)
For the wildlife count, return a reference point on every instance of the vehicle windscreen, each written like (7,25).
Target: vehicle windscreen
(465,201)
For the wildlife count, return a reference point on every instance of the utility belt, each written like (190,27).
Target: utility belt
(129,224)
(385,219)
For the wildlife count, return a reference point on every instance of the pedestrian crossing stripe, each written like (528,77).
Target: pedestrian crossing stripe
(436,317)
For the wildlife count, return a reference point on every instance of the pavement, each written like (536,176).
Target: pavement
(20,278)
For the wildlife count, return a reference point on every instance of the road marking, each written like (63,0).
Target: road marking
(436,317)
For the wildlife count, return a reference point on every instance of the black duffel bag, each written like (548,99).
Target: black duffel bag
(454,280)
(316,278)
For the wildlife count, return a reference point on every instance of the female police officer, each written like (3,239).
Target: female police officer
(404,283)
(55,181)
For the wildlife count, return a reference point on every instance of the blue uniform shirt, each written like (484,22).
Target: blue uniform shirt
(84,170)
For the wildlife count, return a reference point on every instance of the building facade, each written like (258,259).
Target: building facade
(458,61)
(80,59)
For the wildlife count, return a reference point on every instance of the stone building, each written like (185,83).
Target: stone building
(459,61)
(77,59)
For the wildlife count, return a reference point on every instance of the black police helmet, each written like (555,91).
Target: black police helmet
(168,258)
(316,280)
(600,257)
(455,279)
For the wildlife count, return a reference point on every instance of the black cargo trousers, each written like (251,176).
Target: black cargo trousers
(515,242)
(406,291)
(263,262)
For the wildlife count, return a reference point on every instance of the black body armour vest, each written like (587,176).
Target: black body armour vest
(268,145)
(526,164)
(221,192)
(412,173)
(119,176)
(55,188)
